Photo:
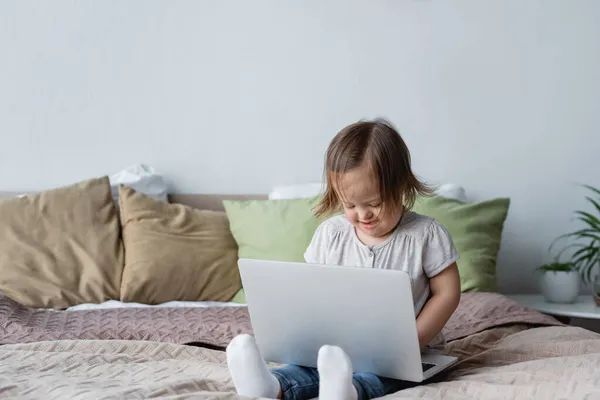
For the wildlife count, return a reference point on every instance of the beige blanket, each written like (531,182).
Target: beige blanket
(510,362)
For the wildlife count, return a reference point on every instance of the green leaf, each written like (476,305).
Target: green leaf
(588,253)
(594,202)
(580,251)
(585,263)
(581,260)
(556,266)
(589,267)
(593,189)
(590,223)
(589,216)
(585,235)
(589,230)
(586,258)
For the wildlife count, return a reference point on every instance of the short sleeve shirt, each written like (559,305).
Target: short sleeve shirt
(419,246)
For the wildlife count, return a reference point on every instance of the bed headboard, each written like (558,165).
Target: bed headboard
(200,201)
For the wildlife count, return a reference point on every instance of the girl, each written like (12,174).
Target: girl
(369,177)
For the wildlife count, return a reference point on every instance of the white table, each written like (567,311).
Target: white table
(584,307)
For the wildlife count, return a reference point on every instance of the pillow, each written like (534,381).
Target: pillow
(61,247)
(175,252)
(452,191)
(240,297)
(142,178)
(305,190)
(476,230)
(272,229)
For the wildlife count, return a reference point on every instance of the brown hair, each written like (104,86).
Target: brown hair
(378,144)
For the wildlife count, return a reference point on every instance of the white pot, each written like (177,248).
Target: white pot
(560,286)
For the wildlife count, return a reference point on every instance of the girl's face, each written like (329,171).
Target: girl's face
(358,192)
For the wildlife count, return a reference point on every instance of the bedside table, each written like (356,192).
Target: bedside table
(584,307)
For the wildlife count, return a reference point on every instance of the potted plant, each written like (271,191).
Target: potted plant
(559,282)
(586,258)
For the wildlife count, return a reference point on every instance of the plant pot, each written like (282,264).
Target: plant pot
(560,286)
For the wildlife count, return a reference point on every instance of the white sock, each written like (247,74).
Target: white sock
(335,375)
(249,372)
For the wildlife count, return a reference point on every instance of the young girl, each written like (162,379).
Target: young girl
(369,177)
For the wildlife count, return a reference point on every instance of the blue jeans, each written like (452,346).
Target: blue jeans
(302,383)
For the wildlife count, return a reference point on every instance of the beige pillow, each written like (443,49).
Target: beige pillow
(175,252)
(61,247)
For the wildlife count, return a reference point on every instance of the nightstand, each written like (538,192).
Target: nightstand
(584,307)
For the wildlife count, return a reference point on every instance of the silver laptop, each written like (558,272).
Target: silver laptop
(295,308)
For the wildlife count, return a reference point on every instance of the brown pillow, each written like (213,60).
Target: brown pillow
(175,252)
(61,247)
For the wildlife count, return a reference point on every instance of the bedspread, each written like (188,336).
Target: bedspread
(216,326)
(511,362)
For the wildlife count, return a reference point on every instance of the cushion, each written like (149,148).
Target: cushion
(451,191)
(174,252)
(141,177)
(61,247)
(240,297)
(476,230)
(272,229)
(296,191)
(282,229)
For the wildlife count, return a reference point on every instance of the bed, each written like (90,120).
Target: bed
(175,350)
(505,351)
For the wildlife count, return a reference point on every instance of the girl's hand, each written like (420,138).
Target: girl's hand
(445,290)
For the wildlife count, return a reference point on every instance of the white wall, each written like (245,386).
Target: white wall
(237,96)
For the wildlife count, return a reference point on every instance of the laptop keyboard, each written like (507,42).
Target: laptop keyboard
(427,366)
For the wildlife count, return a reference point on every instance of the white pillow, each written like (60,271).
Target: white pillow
(452,191)
(142,178)
(296,191)
(448,190)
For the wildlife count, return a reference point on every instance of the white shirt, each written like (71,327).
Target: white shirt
(419,246)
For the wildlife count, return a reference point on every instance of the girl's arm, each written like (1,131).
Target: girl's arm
(445,290)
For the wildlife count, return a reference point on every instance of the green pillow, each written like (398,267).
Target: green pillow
(272,229)
(240,297)
(476,229)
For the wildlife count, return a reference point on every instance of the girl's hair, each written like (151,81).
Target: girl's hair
(377,144)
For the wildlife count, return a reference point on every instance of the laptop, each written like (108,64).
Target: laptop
(295,308)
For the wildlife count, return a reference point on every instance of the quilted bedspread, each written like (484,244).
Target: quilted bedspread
(501,363)
(215,326)
(505,351)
